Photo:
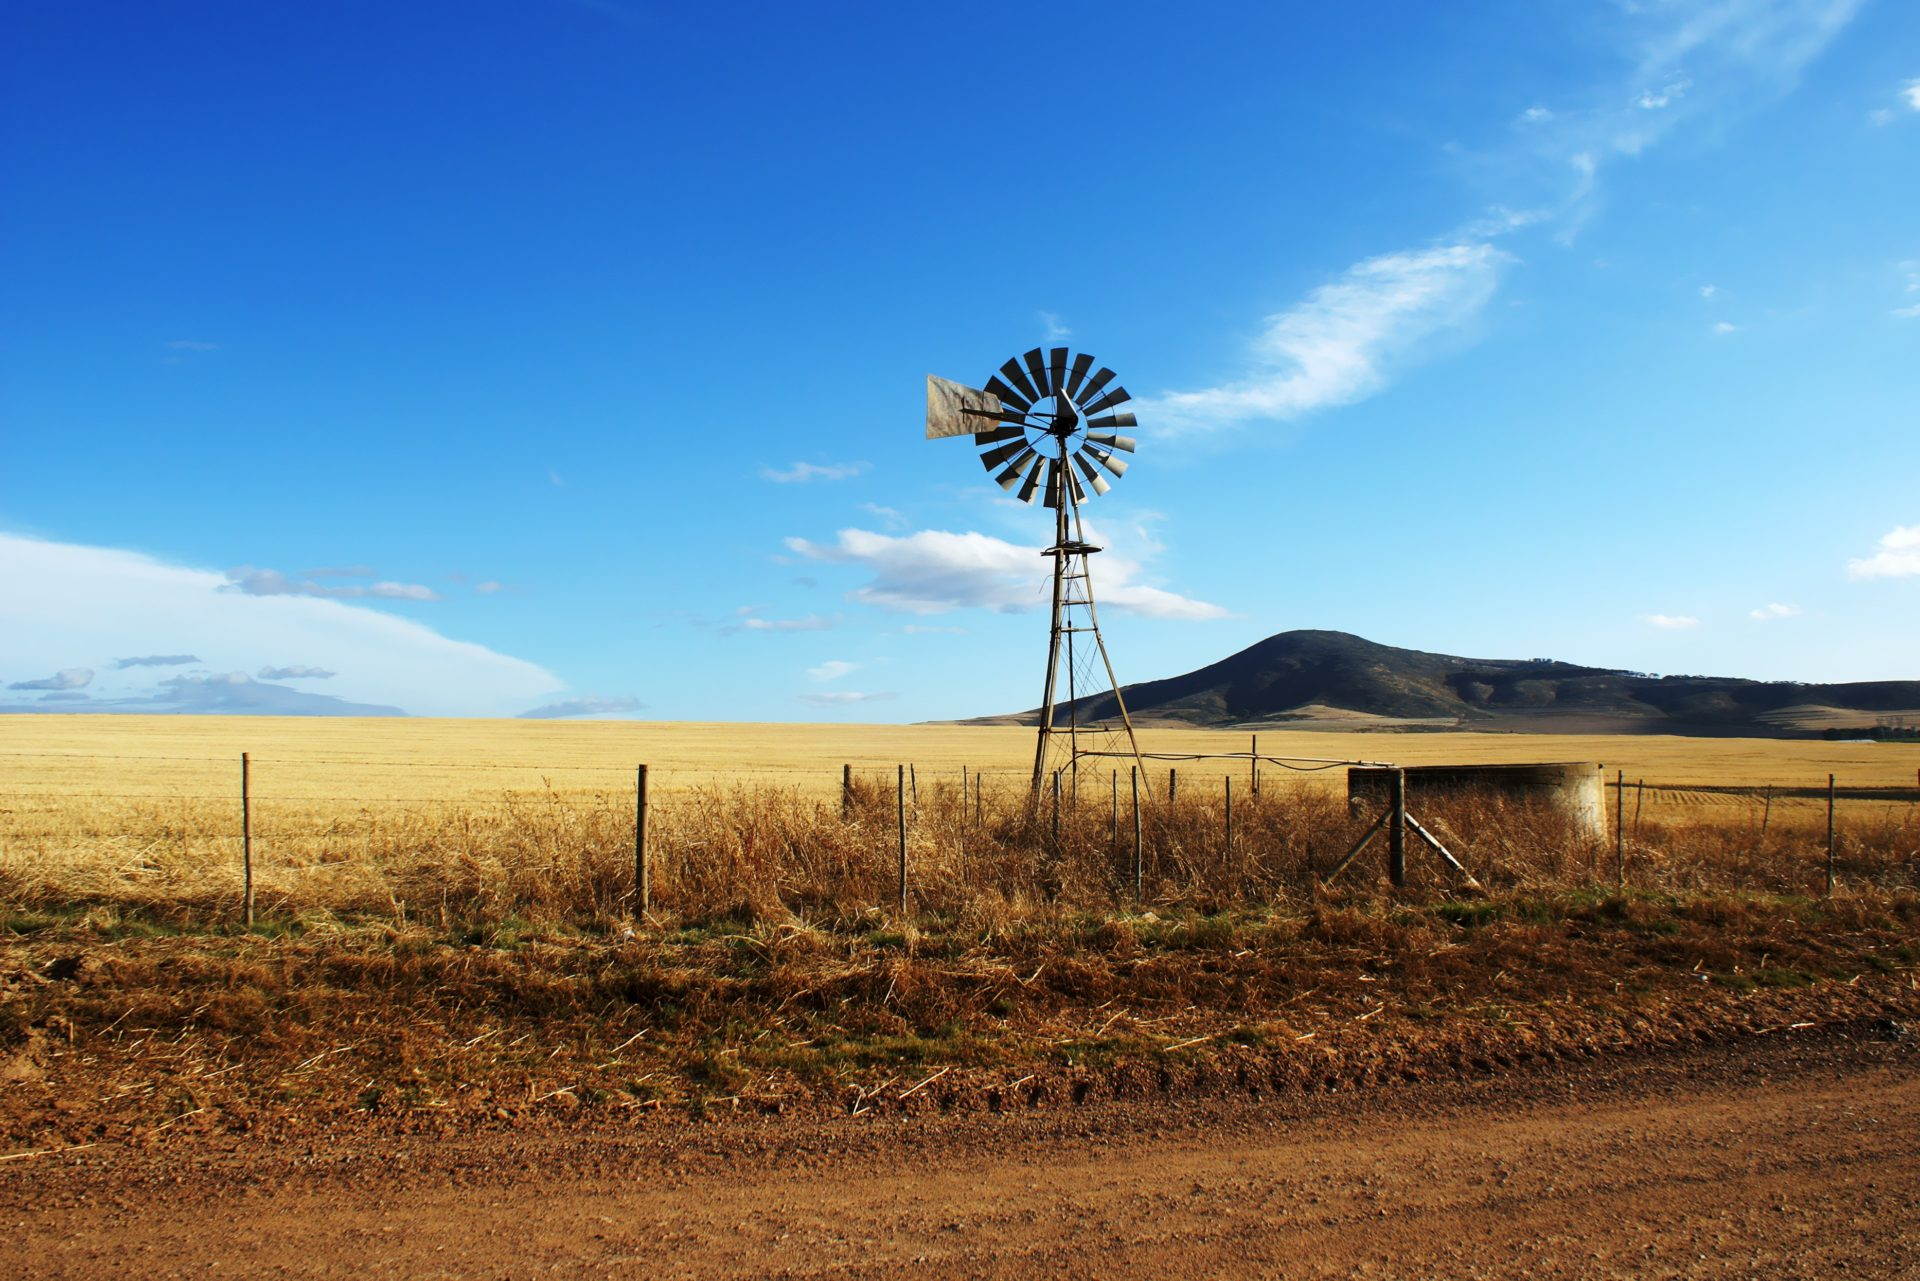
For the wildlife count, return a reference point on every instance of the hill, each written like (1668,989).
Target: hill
(1333,680)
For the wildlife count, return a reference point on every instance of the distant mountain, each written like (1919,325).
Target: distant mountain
(1332,680)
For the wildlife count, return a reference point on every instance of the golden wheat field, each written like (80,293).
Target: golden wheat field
(497,819)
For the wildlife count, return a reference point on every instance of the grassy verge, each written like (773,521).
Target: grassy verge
(115,1024)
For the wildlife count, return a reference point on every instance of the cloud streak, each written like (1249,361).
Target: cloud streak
(934,571)
(1672,622)
(155,660)
(802,473)
(588,705)
(65,678)
(296,672)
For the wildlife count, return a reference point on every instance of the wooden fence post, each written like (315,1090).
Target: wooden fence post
(913,782)
(1397,831)
(1139,869)
(846,792)
(1620,830)
(1173,787)
(642,874)
(1256,765)
(246,842)
(1829,836)
(901,799)
(1113,824)
(1229,849)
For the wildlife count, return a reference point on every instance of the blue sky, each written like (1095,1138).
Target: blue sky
(568,355)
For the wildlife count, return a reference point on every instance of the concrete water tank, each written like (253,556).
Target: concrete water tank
(1574,788)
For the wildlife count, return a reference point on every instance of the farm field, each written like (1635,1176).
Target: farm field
(447,759)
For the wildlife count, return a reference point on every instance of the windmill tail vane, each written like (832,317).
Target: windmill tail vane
(1048,424)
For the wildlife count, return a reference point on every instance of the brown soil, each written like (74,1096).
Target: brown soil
(1786,1155)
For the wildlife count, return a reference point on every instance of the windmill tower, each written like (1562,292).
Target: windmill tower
(1045,425)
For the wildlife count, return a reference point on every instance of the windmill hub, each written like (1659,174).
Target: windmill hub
(1045,419)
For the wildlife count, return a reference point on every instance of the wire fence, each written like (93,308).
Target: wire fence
(466,839)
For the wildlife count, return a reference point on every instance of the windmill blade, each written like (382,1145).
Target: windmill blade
(1053,482)
(1094,384)
(1018,377)
(1057,369)
(953,408)
(997,434)
(1118,396)
(1037,366)
(1094,478)
(995,416)
(994,457)
(1008,396)
(1017,468)
(1081,364)
(1118,466)
(1122,443)
(1113,420)
(1026,491)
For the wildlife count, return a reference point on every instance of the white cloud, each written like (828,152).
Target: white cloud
(1908,313)
(1725,327)
(1672,622)
(586,705)
(63,601)
(299,671)
(1055,331)
(925,629)
(1536,115)
(891,518)
(1898,556)
(747,619)
(933,571)
(1708,291)
(1767,613)
(487,588)
(1910,94)
(831,670)
(801,473)
(838,697)
(155,660)
(1340,345)
(1655,99)
(65,678)
(271,582)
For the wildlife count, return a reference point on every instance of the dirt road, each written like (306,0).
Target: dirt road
(1780,1157)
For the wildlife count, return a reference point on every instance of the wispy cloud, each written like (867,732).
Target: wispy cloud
(1052,328)
(831,670)
(1725,327)
(1689,59)
(1910,94)
(747,619)
(1343,342)
(65,678)
(488,588)
(1769,612)
(587,705)
(1911,271)
(801,473)
(296,672)
(933,571)
(340,571)
(271,582)
(1672,622)
(926,629)
(1898,556)
(839,697)
(1708,291)
(155,660)
(887,515)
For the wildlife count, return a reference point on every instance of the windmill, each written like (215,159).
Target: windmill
(1046,425)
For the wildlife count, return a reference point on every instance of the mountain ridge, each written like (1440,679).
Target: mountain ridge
(1310,679)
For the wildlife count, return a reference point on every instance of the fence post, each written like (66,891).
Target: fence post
(1139,870)
(1829,836)
(1173,786)
(1113,824)
(913,782)
(846,792)
(1397,831)
(1056,813)
(979,804)
(1229,850)
(1639,799)
(642,878)
(246,842)
(1620,830)
(1256,765)
(901,799)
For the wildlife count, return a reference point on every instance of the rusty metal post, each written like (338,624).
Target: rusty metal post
(246,842)
(846,792)
(1397,831)
(1829,836)
(901,799)
(642,874)
(1139,869)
